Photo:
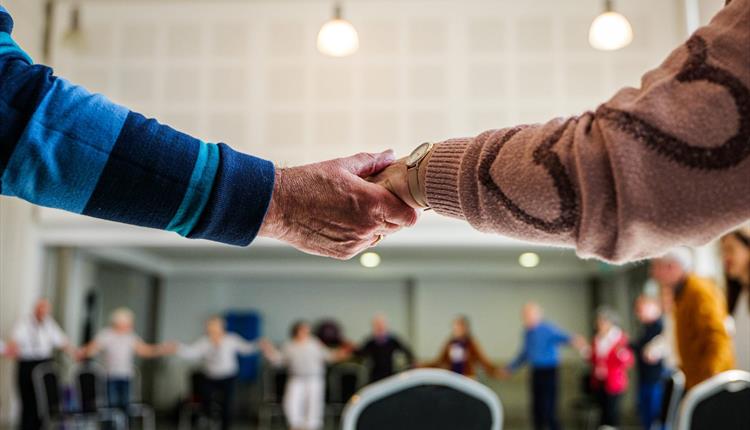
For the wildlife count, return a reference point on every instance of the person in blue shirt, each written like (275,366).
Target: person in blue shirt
(540,349)
(64,147)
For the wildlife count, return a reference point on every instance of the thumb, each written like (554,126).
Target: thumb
(367,164)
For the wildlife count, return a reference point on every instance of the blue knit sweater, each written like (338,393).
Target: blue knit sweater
(63,147)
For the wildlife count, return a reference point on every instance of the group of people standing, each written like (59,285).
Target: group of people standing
(688,327)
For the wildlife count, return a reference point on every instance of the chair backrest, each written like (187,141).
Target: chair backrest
(48,390)
(722,402)
(91,387)
(425,399)
(344,380)
(274,382)
(674,392)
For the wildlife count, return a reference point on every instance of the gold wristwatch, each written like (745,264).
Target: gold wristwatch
(413,162)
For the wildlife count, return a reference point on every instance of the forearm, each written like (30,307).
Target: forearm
(614,183)
(63,147)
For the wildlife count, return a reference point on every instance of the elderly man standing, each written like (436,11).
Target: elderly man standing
(541,344)
(380,349)
(696,314)
(34,339)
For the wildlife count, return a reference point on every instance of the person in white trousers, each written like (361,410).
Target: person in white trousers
(305,357)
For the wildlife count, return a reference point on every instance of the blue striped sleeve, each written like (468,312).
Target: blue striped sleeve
(63,147)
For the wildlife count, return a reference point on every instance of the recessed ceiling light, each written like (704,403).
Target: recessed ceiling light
(370,260)
(528,259)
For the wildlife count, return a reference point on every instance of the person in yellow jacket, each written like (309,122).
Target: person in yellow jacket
(697,333)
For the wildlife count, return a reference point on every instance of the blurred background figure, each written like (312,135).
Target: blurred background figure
(650,374)
(381,348)
(119,344)
(610,360)
(34,339)
(462,352)
(218,352)
(305,357)
(699,334)
(540,349)
(735,253)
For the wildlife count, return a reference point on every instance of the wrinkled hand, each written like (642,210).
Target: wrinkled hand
(394,179)
(328,208)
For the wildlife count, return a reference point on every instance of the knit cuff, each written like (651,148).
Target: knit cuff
(443,175)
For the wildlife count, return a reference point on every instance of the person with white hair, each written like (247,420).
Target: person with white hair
(695,330)
(218,352)
(610,358)
(33,341)
(119,344)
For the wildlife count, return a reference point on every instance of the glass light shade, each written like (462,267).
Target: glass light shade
(370,260)
(610,31)
(529,260)
(338,38)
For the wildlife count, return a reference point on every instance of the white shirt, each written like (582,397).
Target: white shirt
(219,361)
(742,330)
(37,340)
(118,351)
(304,359)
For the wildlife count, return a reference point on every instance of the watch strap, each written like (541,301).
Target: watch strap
(412,177)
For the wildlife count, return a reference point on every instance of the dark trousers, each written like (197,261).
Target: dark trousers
(217,397)
(29,410)
(118,393)
(649,402)
(609,405)
(544,398)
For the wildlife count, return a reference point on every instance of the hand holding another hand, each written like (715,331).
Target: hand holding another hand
(328,208)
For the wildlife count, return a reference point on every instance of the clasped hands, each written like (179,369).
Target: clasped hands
(340,207)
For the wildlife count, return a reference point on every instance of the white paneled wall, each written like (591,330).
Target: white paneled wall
(248,73)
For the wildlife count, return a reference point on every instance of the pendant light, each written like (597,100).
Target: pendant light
(338,37)
(610,31)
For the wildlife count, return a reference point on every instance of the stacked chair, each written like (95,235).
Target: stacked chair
(425,399)
(722,402)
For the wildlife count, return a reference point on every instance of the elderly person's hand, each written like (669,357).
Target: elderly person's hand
(328,209)
(395,179)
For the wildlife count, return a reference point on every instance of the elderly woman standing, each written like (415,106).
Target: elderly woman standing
(119,345)
(735,253)
(610,358)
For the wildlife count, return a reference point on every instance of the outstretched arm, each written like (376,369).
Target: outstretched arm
(650,169)
(63,147)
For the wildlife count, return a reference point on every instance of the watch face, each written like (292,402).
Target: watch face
(417,154)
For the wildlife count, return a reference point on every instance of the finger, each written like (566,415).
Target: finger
(395,211)
(367,164)
(388,228)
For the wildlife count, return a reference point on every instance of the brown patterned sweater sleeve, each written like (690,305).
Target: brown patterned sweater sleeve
(652,168)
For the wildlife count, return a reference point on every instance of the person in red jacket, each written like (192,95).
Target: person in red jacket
(610,360)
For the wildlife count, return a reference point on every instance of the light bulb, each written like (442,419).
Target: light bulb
(528,260)
(338,37)
(370,260)
(610,31)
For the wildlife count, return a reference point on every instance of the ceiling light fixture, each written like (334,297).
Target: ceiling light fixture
(338,37)
(370,260)
(528,260)
(610,31)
